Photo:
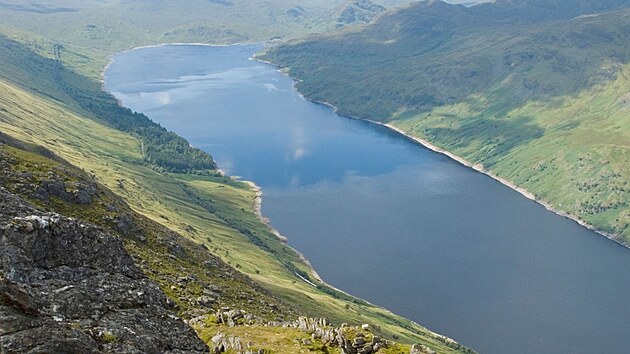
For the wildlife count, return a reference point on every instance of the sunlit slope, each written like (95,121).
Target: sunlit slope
(536,97)
(573,153)
(207,208)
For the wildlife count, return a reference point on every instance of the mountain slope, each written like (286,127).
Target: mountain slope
(524,88)
(215,212)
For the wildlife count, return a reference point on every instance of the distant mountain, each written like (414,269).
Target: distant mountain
(118,24)
(511,85)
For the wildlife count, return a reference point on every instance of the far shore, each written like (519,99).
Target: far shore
(477,167)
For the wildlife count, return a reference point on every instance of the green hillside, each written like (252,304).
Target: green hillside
(113,25)
(534,91)
(47,100)
(116,24)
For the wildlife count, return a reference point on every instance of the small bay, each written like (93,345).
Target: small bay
(385,219)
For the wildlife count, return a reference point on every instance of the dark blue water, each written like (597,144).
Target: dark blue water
(385,219)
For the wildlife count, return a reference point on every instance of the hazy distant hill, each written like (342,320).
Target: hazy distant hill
(536,91)
(93,22)
(115,24)
(357,12)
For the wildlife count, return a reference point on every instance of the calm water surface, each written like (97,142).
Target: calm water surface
(385,219)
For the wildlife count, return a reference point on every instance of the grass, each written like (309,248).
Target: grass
(108,337)
(288,340)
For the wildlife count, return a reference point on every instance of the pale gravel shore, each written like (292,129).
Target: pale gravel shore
(258,211)
(477,167)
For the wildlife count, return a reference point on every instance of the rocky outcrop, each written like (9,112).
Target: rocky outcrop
(196,280)
(359,12)
(70,287)
(350,340)
(295,12)
(421,349)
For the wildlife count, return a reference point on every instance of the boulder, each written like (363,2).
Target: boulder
(421,349)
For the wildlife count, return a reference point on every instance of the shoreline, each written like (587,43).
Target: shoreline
(111,59)
(476,167)
(258,212)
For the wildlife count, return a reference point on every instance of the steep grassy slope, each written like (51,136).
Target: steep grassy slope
(49,109)
(535,95)
(184,269)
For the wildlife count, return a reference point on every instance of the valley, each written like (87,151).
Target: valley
(533,92)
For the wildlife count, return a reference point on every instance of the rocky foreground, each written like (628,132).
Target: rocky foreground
(66,286)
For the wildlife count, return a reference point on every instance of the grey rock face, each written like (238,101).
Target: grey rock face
(69,287)
(80,193)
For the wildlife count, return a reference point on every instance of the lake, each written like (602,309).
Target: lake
(385,219)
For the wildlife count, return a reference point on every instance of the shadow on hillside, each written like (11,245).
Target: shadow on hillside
(398,63)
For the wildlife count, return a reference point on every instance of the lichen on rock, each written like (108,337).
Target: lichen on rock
(68,286)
